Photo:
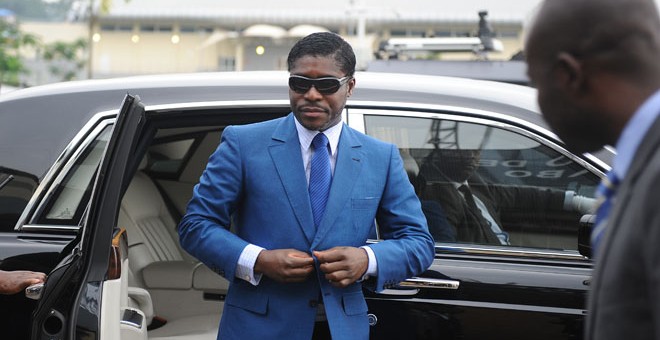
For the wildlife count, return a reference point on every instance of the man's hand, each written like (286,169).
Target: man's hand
(15,281)
(285,265)
(343,265)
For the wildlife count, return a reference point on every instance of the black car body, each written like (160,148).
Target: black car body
(71,154)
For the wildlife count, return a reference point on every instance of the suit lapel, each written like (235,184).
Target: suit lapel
(285,153)
(647,148)
(347,170)
(624,196)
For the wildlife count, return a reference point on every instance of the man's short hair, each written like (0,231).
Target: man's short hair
(324,44)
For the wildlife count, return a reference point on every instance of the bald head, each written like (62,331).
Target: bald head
(618,36)
(594,62)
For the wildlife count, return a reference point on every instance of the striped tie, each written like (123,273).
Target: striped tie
(605,198)
(320,177)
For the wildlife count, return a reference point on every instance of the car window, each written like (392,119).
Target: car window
(166,159)
(490,185)
(71,195)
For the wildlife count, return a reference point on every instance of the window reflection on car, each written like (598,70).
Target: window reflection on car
(524,189)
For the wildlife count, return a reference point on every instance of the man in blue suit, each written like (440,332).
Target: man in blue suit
(302,211)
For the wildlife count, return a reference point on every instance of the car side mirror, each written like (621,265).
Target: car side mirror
(584,234)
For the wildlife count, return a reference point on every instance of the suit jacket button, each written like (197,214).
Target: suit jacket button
(313,303)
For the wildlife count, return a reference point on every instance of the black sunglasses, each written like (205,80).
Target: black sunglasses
(326,85)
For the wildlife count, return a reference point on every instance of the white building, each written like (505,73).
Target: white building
(161,36)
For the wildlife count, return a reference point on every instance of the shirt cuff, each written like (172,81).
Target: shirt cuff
(372,268)
(245,266)
(568,200)
(579,203)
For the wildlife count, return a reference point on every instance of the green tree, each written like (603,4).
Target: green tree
(38,10)
(66,58)
(12,42)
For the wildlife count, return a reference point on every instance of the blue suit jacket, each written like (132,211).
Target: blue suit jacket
(255,182)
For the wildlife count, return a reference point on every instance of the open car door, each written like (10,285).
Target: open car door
(80,298)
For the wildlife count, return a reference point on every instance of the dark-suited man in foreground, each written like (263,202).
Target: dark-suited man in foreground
(596,64)
(302,193)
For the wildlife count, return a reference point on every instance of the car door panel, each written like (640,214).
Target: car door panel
(20,251)
(72,295)
(493,299)
(434,320)
(31,251)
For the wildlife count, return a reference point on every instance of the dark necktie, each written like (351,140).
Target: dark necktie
(481,219)
(467,194)
(605,197)
(320,177)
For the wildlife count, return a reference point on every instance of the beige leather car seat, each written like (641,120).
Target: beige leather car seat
(151,229)
(160,270)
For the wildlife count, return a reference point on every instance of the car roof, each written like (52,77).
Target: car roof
(40,121)
(510,71)
(370,86)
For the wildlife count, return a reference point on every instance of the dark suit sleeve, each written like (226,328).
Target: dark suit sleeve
(524,197)
(407,248)
(641,220)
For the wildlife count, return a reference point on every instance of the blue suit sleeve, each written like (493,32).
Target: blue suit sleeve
(204,230)
(407,248)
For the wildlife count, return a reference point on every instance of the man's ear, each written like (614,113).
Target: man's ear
(569,73)
(351,86)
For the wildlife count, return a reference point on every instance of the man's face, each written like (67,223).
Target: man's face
(314,110)
(576,123)
(457,164)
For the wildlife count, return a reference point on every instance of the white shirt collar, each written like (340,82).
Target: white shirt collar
(457,185)
(305,136)
(633,134)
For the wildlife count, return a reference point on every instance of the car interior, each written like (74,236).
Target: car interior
(179,296)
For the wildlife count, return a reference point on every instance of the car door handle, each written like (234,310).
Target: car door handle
(421,282)
(34,291)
